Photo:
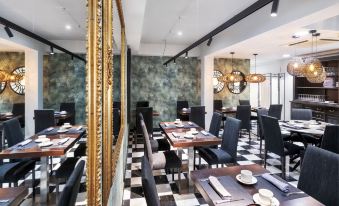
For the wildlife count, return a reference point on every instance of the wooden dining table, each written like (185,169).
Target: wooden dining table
(33,150)
(199,176)
(184,143)
(13,196)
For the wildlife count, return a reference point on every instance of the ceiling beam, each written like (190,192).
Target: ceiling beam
(24,31)
(238,17)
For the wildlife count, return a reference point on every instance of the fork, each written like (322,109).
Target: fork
(225,201)
(293,193)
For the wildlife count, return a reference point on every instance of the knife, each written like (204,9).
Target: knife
(225,201)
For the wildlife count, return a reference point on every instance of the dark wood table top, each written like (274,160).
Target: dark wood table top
(235,170)
(14,195)
(32,149)
(230,110)
(186,112)
(198,140)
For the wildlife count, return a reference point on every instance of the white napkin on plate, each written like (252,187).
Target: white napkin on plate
(175,134)
(190,123)
(27,141)
(279,184)
(221,190)
(79,128)
(49,129)
(204,132)
(166,124)
(63,141)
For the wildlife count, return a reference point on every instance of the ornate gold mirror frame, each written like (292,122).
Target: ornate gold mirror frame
(102,160)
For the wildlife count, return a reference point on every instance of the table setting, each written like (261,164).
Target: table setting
(311,127)
(66,128)
(178,124)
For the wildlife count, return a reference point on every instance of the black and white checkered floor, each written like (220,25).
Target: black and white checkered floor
(248,153)
(81,199)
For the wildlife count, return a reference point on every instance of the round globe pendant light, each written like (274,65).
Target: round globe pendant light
(296,66)
(3,76)
(255,78)
(316,78)
(313,66)
(231,77)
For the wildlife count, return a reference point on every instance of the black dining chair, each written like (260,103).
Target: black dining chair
(117,105)
(69,107)
(319,175)
(197,115)
(142,104)
(167,160)
(227,153)
(217,105)
(330,140)
(19,109)
(275,111)
(148,183)
(244,102)
(180,106)
(301,114)
(116,121)
(274,142)
(70,192)
(260,129)
(147,113)
(244,115)
(13,134)
(43,119)
(214,130)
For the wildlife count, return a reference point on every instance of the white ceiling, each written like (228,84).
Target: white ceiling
(194,18)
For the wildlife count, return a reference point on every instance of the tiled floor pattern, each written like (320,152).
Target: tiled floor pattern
(81,199)
(248,153)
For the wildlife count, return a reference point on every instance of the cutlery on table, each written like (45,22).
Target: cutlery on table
(226,201)
(293,193)
(4,201)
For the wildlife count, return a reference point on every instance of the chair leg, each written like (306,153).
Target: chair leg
(249,135)
(265,158)
(194,159)
(179,179)
(57,191)
(260,147)
(33,183)
(283,165)
(15,184)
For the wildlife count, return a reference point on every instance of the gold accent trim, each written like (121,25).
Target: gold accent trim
(93,104)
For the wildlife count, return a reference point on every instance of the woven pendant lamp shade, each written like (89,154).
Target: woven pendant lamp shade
(317,78)
(231,78)
(3,76)
(296,66)
(313,67)
(255,78)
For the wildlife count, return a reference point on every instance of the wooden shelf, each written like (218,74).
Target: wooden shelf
(335,88)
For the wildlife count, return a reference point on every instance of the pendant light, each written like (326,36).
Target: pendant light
(232,77)
(296,65)
(314,69)
(255,78)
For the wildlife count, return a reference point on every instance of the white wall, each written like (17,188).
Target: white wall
(279,66)
(207,67)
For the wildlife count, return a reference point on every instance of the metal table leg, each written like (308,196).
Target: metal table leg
(44,184)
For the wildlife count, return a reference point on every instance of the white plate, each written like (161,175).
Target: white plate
(187,136)
(46,144)
(67,126)
(39,140)
(275,201)
(179,125)
(62,131)
(254,180)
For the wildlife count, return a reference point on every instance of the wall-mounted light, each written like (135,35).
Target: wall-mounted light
(174,61)
(9,32)
(186,56)
(52,51)
(274,11)
(209,41)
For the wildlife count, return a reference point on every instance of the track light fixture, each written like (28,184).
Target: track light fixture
(209,41)
(52,51)
(186,56)
(9,32)
(274,11)
(174,61)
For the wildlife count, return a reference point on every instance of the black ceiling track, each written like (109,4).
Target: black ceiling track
(24,31)
(243,14)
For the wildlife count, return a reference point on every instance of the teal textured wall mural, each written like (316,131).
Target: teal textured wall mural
(225,66)
(162,87)
(8,62)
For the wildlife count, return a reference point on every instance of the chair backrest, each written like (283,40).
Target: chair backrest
(116,121)
(142,104)
(70,192)
(43,119)
(148,184)
(230,137)
(244,102)
(275,111)
(301,114)
(117,105)
(319,175)
(244,114)
(273,138)
(197,115)
(147,113)
(19,109)
(260,112)
(13,132)
(180,106)
(217,105)
(147,146)
(69,107)
(330,139)
(215,124)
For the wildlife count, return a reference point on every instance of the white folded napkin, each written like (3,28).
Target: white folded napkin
(279,184)
(204,132)
(166,124)
(49,129)
(63,141)
(175,134)
(27,141)
(190,123)
(221,190)
(79,128)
